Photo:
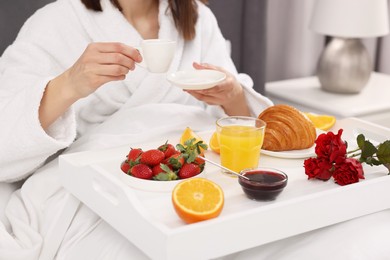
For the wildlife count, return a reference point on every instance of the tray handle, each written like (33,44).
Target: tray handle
(114,192)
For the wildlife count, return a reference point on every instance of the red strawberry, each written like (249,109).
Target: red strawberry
(159,168)
(199,161)
(152,157)
(134,154)
(167,149)
(141,171)
(163,172)
(125,167)
(189,170)
(176,161)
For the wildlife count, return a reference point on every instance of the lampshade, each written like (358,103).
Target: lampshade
(350,18)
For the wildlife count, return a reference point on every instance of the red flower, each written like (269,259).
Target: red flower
(348,172)
(331,147)
(318,168)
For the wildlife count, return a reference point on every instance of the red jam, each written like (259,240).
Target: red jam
(263,184)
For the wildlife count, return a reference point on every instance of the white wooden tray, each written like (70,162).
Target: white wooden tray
(148,219)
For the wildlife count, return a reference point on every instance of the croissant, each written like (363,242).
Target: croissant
(287,129)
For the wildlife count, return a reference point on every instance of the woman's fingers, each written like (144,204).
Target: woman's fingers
(206,66)
(111,70)
(114,59)
(209,99)
(115,47)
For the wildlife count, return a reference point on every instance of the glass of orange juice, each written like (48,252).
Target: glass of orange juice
(240,140)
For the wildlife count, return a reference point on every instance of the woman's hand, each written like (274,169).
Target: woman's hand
(229,94)
(99,64)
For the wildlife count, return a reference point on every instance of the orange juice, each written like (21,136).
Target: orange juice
(240,146)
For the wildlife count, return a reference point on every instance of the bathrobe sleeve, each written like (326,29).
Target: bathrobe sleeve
(26,67)
(214,51)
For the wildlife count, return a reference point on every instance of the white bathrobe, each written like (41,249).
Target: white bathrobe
(138,108)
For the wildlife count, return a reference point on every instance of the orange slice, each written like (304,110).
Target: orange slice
(214,143)
(197,199)
(189,134)
(323,122)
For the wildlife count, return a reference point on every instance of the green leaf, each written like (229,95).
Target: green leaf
(180,147)
(165,167)
(191,158)
(372,161)
(168,176)
(189,142)
(368,149)
(383,153)
(161,177)
(204,146)
(360,140)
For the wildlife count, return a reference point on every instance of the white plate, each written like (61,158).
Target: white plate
(196,79)
(294,154)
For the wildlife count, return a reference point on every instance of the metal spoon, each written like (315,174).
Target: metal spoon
(224,168)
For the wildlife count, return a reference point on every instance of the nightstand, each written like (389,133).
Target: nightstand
(371,104)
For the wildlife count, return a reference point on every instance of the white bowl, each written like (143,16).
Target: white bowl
(151,185)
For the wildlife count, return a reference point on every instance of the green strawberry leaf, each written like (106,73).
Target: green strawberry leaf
(191,157)
(161,177)
(189,142)
(165,167)
(180,148)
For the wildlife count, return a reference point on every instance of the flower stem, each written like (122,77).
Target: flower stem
(354,155)
(357,149)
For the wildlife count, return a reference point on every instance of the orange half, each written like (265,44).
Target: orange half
(197,199)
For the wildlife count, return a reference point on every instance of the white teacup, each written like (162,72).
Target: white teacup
(157,54)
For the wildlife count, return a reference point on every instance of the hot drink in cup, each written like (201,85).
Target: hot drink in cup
(157,54)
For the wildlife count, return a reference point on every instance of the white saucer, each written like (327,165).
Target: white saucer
(196,79)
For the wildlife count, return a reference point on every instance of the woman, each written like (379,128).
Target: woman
(71,74)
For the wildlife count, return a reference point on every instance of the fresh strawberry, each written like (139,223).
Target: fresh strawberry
(141,171)
(164,173)
(176,161)
(159,168)
(134,155)
(125,167)
(167,149)
(199,161)
(189,170)
(152,157)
